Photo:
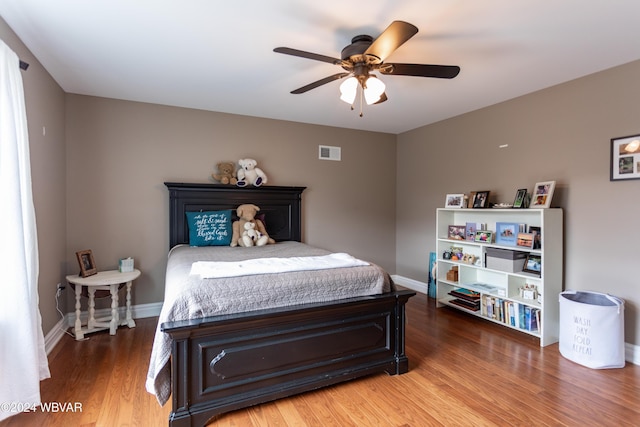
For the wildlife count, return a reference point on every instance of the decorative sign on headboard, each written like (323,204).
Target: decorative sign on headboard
(211,228)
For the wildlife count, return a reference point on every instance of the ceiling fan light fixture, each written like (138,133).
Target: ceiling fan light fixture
(348,90)
(373,89)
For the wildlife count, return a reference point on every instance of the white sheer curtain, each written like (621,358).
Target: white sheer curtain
(23,361)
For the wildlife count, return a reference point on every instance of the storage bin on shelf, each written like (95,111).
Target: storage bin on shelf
(505,260)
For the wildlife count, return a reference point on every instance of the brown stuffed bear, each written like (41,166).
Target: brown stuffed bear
(247,213)
(227,173)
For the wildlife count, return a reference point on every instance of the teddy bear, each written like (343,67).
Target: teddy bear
(251,236)
(247,213)
(227,173)
(250,174)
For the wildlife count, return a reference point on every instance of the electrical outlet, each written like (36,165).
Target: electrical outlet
(60,287)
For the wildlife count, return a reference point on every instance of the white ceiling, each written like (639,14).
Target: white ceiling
(218,55)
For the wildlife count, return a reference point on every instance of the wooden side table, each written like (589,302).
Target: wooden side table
(106,281)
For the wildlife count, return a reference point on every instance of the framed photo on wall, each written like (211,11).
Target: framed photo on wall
(87,263)
(625,158)
(542,194)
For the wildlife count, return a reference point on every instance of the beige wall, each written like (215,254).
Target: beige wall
(98,173)
(562,133)
(119,154)
(45,108)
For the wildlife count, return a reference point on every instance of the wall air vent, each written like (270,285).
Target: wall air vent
(326,152)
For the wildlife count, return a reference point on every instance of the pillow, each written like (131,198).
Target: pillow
(211,228)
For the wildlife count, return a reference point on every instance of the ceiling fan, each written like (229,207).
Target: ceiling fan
(365,55)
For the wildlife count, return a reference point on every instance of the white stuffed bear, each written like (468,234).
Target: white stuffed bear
(250,174)
(251,236)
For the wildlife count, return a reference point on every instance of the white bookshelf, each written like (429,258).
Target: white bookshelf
(499,288)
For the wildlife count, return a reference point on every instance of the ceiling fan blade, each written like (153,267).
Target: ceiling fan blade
(420,70)
(392,38)
(308,55)
(320,82)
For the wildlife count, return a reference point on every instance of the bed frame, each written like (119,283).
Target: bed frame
(223,363)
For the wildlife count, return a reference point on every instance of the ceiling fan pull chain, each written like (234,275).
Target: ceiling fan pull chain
(361,95)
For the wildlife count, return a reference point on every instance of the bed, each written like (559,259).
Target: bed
(211,364)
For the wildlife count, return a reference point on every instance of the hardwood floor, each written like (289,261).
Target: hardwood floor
(463,372)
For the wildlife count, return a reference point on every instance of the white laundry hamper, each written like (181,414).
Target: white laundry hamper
(592,329)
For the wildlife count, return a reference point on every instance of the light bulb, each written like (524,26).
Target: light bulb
(348,90)
(373,90)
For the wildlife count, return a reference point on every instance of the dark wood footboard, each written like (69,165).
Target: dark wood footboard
(224,363)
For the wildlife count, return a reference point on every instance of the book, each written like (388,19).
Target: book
(527,318)
(481,287)
(466,304)
(466,294)
(512,314)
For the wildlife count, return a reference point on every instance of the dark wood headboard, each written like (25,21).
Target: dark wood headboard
(281,207)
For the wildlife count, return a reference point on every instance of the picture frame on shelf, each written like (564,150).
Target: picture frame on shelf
(542,194)
(525,240)
(507,233)
(472,196)
(625,158)
(457,232)
(87,263)
(481,199)
(471,228)
(521,196)
(483,236)
(533,264)
(537,236)
(454,201)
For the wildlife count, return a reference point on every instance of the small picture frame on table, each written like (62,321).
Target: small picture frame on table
(625,158)
(87,263)
(521,196)
(533,264)
(481,200)
(483,236)
(454,201)
(542,194)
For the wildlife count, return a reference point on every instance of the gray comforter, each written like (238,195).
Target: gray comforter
(189,297)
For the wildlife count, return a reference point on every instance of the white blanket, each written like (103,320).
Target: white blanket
(218,269)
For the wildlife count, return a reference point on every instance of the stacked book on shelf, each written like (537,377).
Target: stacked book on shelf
(512,313)
(466,298)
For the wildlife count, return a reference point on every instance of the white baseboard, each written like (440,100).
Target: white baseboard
(414,285)
(56,333)
(141,311)
(631,352)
